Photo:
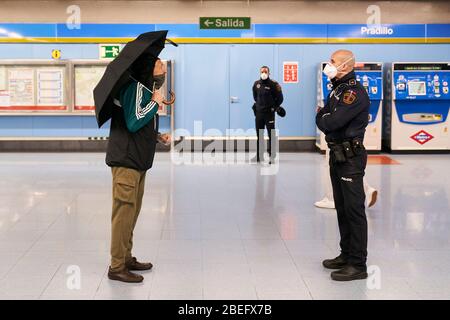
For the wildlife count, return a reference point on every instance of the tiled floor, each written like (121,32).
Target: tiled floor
(222,231)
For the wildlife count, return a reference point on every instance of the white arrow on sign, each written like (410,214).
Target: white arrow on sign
(208,23)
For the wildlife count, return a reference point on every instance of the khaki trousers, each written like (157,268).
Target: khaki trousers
(128,190)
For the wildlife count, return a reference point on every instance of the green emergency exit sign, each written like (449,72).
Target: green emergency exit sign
(109,51)
(225,23)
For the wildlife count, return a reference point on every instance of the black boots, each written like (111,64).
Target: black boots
(346,272)
(349,273)
(336,263)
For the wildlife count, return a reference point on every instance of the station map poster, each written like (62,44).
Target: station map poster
(86,78)
(21,86)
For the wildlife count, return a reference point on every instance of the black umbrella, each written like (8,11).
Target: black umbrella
(136,60)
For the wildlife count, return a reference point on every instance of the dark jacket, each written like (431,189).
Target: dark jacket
(267,95)
(131,150)
(346,112)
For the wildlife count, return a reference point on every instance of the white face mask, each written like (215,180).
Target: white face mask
(264,76)
(331,71)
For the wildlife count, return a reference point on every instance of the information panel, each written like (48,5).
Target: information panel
(33,88)
(50,89)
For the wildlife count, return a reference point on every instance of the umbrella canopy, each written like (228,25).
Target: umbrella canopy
(137,60)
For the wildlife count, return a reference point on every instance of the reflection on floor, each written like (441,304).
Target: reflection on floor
(221,231)
(381,159)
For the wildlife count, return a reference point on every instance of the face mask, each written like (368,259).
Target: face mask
(264,76)
(159,80)
(331,71)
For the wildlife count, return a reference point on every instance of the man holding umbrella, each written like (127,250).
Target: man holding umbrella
(128,94)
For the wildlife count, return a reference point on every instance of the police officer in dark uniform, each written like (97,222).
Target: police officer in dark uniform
(268,98)
(343,120)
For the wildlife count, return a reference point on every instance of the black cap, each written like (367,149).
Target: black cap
(281,112)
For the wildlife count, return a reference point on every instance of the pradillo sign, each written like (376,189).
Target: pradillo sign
(376,30)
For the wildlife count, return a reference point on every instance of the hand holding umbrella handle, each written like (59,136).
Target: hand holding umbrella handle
(172,99)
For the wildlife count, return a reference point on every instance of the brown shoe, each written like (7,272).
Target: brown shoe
(135,265)
(124,275)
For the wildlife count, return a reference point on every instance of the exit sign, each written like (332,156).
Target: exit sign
(225,23)
(109,51)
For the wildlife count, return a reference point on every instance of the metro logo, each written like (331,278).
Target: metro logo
(422,137)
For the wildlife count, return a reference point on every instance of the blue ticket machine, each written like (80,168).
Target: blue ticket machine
(370,75)
(416,114)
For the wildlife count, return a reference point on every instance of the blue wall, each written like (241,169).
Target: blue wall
(207,75)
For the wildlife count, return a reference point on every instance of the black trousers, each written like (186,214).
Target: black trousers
(264,120)
(349,200)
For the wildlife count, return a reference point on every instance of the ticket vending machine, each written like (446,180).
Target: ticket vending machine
(418,101)
(370,75)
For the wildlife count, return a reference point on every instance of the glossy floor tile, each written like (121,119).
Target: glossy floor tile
(220,231)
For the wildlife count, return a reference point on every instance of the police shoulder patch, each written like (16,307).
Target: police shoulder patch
(349,97)
(277,85)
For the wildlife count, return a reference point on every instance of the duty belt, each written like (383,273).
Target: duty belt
(345,150)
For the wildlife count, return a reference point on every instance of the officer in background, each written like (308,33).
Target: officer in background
(268,98)
(343,120)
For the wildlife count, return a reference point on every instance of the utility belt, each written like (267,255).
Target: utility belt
(265,109)
(341,152)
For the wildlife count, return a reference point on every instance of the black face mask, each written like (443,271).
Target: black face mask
(159,80)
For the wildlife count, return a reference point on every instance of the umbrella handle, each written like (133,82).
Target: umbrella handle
(172,99)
